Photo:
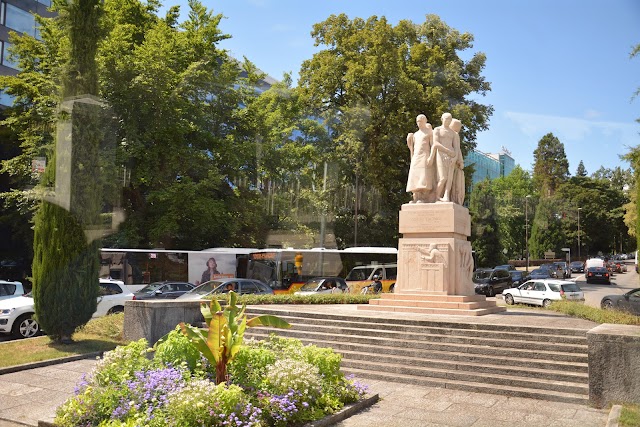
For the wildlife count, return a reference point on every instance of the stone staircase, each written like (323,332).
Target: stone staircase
(536,362)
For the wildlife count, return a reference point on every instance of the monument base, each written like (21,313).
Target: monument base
(426,303)
(435,264)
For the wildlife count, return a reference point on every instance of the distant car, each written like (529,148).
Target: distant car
(507,267)
(491,281)
(554,270)
(628,302)
(598,275)
(16,314)
(564,268)
(543,292)
(163,290)
(10,289)
(540,273)
(323,285)
(219,286)
(518,277)
(577,267)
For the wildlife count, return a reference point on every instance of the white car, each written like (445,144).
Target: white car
(10,289)
(323,285)
(543,292)
(16,314)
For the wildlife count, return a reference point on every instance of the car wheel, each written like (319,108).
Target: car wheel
(25,326)
(546,303)
(607,304)
(490,291)
(116,309)
(508,298)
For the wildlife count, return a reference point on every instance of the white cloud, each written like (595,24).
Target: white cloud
(569,129)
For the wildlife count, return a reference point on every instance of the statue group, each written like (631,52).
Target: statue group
(436,171)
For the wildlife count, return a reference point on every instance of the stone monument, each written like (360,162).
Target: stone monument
(435,263)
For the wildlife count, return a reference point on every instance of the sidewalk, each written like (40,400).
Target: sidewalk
(33,394)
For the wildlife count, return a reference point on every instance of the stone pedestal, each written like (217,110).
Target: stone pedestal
(435,264)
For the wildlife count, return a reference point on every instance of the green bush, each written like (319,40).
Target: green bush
(300,299)
(176,349)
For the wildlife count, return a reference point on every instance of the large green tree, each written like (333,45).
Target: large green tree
(551,167)
(371,79)
(546,230)
(485,232)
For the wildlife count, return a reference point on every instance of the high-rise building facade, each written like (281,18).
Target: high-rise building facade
(490,166)
(17,16)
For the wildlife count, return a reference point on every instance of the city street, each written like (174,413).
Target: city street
(620,284)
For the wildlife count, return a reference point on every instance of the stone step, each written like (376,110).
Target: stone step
(548,395)
(421,329)
(374,341)
(256,310)
(489,363)
(469,309)
(434,337)
(346,333)
(496,379)
(498,368)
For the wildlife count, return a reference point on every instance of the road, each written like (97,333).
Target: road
(620,284)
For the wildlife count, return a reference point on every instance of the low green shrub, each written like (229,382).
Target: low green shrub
(300,299)
(597,315)
(276,382)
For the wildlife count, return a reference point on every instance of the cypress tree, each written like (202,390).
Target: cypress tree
(66,261)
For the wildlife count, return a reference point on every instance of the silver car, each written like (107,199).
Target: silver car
(543,292)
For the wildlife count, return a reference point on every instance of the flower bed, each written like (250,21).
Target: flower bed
(278,382)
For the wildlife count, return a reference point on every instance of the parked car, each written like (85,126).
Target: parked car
(598,274)
(540,273)
(628,302)
(10,289)
(163,290)
(16,314)
(563,267)
(491,281)
(577,267)
(323,285)
(543,292)
(507,267)
(219,286)
(555,271)
(518,277)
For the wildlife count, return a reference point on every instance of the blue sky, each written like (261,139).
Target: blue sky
(558,66)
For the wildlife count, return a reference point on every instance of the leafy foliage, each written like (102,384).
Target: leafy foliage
(485,237)
(221,340)
(551,167)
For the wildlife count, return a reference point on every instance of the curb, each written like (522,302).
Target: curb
(614,416)
(26,366)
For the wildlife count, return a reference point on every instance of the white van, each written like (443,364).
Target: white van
(362,275)
(593,262)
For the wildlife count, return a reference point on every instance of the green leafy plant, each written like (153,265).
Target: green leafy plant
(221,340)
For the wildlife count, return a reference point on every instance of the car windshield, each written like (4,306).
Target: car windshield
(151,287)
(311,285)
(360,273)
(517,274)
(576,263)
(540,271)
(206,287)
(482,274)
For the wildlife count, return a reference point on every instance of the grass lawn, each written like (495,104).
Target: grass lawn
(630,416)
(101,334)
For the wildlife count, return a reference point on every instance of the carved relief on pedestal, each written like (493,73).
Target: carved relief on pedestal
(464,283)
(431,260)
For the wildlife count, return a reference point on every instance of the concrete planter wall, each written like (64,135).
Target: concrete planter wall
(614,364)
(154,319)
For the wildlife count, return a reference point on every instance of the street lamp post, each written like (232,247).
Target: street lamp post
(526,227)
(579,209)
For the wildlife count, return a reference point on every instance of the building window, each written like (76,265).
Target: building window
(6,61)
(19,20)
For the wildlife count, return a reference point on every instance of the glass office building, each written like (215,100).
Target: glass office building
(490,166)
(17,16)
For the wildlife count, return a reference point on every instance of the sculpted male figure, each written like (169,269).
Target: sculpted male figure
(457,188)
(421,176)
(445,156)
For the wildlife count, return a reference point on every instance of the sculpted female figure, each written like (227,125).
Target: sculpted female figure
(421,176)
(446,156)
(457,188)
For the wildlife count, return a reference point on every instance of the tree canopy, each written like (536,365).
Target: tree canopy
(551,167)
